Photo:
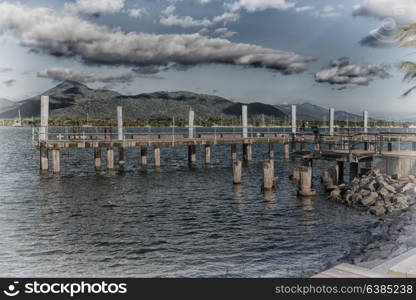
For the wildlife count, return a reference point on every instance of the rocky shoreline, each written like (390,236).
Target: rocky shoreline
(376,193)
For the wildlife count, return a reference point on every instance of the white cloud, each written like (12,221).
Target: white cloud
(259,5)
(223,32)
(403,11)
(341,72)
(93,7)
(304,8)
(62,74)
(65,35)
(136,12)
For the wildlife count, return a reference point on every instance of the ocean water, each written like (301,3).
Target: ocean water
(178,221)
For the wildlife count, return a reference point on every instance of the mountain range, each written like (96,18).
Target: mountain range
(73,100)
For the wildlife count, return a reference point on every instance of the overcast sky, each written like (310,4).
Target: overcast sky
(339,53)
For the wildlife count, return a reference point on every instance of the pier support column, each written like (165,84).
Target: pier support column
(97,158)
(346,146)
(305,184)
(44,161)
(56,160)
(293,119)
(110,158)
(191,124)
(237,166)
(317,147)
(247,152)
(233,152)
(120,134)
(268,175)
(143,157)
(156,157)
(244,121)
(121,156)
(340,172)
(365,119)
(271,151)
(207,154)
(331,121)
(44,118)
(192,154)
(286,151)
(353,170)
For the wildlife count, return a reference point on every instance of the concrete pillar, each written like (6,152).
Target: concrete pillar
(143,157)
(353,170)
(317,147)
(233,152)
(97,158)
(295,174)
(44,118)
(120,134)
(271,151)
(156,157)
(346,146)
(340,172)
(237,167)
(244,121)
(331,121)
(305,184)
(56,160)
(44,161)
(110,158)
(247,152)
(286,151)
(365,118)
(121,156)
(268,176)
(293,119)
(207,154)
(192,153)
(191,124)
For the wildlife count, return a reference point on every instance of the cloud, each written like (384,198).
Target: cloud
(304,8)
(223,32)
(151,69)
(62,74)
(341,72)
(66,35)
(383,36)
(259,5)
(403,11)
(95,7)
(9,82)
(137,12)
(4,70)
(170,19)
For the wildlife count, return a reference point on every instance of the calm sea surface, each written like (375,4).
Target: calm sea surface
(176,221)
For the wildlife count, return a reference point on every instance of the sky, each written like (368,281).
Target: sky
(335,53)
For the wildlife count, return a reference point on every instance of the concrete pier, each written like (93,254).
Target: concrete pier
(305,184)
(110,158)
(293,118)
(365,119)
(143,157)
(268,175)
(331,121)
(192,154)
(44,160)
(156,157)
(120,134)
(237,167)
(244,121)
(97,158)
(247,152)
(56,160)
(44,118)
(207,154)
(233,152)
(191,124)
(286,151)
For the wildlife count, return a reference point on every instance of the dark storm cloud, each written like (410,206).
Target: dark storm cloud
(74,37)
